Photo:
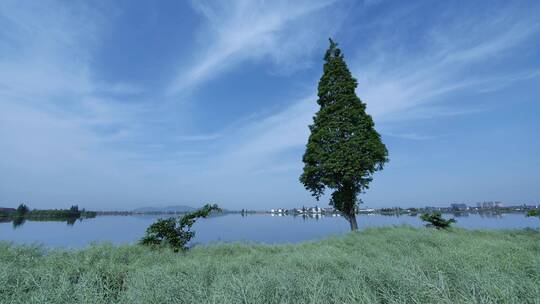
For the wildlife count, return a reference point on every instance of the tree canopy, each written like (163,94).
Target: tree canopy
(22,209)
(344,150)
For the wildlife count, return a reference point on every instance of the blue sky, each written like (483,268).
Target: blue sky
(122,104)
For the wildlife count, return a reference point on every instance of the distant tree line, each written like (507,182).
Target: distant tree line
(23,211)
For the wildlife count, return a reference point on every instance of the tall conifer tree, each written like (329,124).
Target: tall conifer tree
(344,150)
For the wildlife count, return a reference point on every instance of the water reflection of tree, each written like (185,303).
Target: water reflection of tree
(314,216)
(490,214)
(482,214)
(20,220)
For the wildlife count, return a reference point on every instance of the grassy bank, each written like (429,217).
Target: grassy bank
(382,265)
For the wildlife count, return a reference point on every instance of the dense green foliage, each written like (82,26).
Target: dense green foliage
(173,233)
(23,213)
(381,265)
(344,150)
(436,220)
(533,212)
(8,212)
(22,210)
(72,212)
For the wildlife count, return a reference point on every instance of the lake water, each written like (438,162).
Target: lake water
(232,227)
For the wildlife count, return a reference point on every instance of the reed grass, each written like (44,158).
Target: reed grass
(379,265)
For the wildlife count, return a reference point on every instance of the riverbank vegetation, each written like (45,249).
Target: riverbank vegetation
(175,233)
(535,212)
(23,213)
(436,220)
(380,265)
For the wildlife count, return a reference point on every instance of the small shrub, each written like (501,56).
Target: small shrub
(436,220)
(533,212)
(173,233)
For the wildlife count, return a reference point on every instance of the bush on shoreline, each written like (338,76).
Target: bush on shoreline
(436,220)
(379,265)
(533,213)
(173,233)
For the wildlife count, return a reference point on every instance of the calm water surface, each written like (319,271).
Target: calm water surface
(231,227)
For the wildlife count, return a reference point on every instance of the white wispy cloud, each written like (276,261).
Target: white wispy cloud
(411,136)
(56,127)
(420,86)
(121,88)
(264,153)
(66,135)
(39,56)
(46,65)
(452,61)
(236,31)
(199,137)
(259,143)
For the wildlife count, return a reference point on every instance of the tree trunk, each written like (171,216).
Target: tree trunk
(352,220)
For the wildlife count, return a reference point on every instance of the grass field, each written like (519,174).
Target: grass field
(381,265)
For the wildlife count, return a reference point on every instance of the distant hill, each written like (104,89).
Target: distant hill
(166,209)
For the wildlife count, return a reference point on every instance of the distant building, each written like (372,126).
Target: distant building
(489,205)
(367,210)
(459,207)
(315,210)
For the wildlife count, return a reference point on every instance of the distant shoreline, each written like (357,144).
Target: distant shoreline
(59,214)
(290,213)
